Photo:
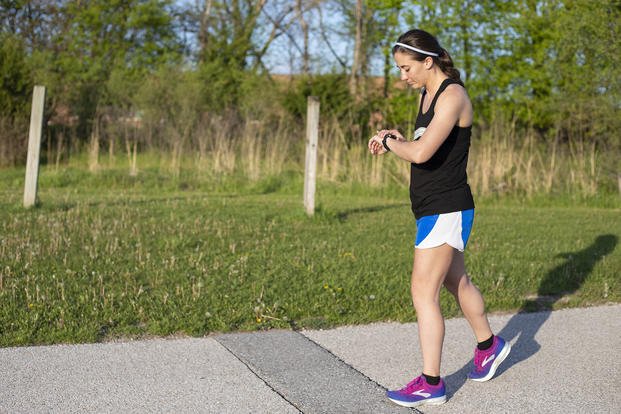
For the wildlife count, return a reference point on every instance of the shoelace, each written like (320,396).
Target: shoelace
(414,383)
(479,356)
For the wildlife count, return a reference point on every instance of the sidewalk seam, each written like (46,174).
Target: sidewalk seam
(414,409)
(259,377)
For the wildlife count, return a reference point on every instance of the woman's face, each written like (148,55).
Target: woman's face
(413,72)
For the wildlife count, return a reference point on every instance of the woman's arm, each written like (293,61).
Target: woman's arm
(448,110)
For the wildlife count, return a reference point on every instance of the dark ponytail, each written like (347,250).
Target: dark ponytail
(445,63)
(426,42)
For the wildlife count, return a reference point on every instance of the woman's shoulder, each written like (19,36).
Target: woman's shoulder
(455,94)
(456,89)
(454,102)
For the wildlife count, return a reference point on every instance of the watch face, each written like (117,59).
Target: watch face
(418,133)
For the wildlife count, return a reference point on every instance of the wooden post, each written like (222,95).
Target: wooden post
(310,169)
(34,146)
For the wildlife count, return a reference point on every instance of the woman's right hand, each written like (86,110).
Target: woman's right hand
(395,133)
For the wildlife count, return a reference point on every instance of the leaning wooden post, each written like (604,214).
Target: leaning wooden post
(310,169)
(34,146)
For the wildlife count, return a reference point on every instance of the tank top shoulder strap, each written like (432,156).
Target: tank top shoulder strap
(445,83)
(423,93)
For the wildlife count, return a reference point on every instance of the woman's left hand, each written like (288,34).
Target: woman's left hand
(375,145)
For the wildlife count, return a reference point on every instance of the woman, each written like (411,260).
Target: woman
(444,210)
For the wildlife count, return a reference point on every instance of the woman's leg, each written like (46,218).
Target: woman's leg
(468,297)
(428,273)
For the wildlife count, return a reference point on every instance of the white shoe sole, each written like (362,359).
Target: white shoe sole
(501,357)
(428,401)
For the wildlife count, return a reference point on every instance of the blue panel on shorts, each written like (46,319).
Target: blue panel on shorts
(467,219)
(424,225)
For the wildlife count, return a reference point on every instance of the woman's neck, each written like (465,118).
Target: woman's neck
(434,83)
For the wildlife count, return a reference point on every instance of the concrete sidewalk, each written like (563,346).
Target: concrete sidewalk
(562,362)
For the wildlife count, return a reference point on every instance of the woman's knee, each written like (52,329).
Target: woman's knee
(424,294)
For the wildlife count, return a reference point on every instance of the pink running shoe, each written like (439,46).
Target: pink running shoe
(486,362)
(419,392)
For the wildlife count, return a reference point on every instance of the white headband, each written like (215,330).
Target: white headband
(424,52)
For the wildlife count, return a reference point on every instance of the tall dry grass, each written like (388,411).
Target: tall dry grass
(504,159)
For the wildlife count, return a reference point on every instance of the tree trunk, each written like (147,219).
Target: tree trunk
(304,27)
(465,38)
(355,68)
(203,31)
(363,59)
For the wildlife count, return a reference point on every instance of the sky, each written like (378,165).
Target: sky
(283,58)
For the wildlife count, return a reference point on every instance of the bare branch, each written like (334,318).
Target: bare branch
(322,31)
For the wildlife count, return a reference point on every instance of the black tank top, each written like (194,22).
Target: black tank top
(440,185)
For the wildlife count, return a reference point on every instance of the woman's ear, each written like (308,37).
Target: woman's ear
(428,62)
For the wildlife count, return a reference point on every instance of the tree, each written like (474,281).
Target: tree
(234,36)
(16,79)
(90,40)
(587,70)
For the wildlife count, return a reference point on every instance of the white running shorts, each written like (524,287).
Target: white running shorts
(450,228)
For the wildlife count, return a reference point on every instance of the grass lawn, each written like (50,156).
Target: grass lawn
(99,260)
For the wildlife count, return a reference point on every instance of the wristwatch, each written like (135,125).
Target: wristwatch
(384,141)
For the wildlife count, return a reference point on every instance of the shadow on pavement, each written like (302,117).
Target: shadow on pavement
(561,281)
